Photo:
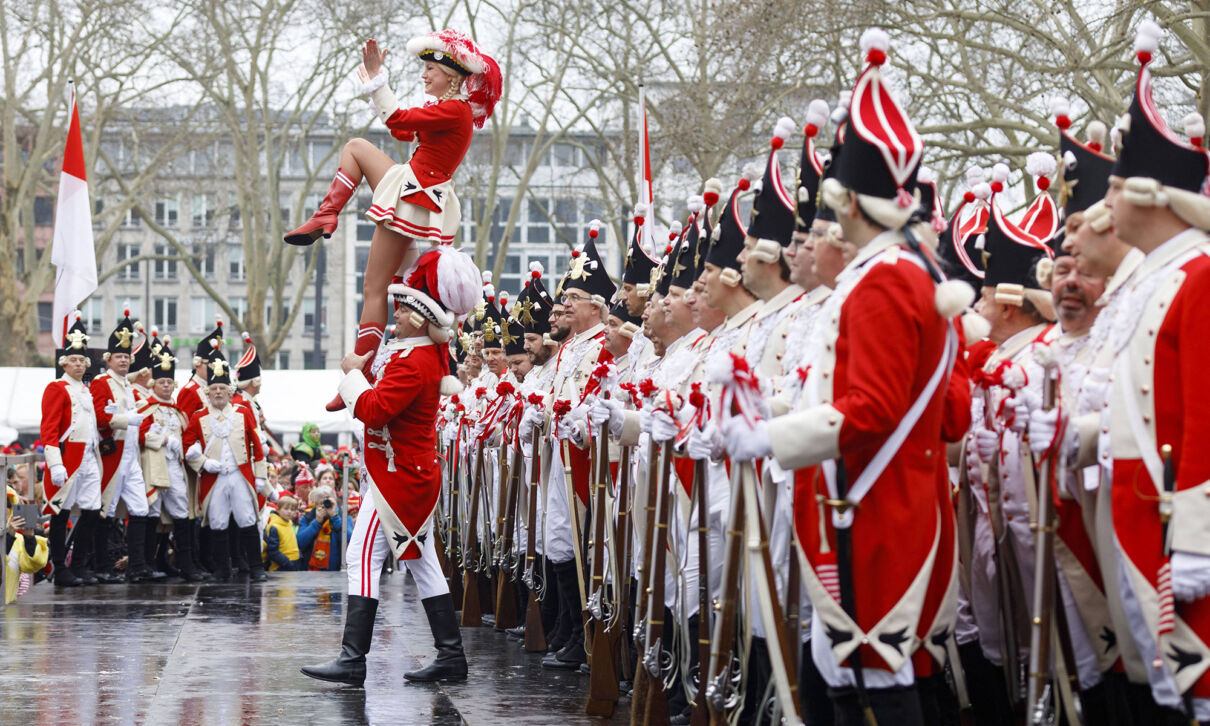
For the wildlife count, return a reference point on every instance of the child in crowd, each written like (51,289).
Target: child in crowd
(281,544)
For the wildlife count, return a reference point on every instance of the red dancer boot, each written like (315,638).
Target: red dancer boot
(324,220)
(369,336)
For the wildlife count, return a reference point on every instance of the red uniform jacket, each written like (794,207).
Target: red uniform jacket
(443,131)
(245,445)
(1166,355)
(110,425)
(400,416)
(189,399)
(64,433)
(889,340)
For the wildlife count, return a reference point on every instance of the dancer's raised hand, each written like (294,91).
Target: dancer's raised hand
(371,60)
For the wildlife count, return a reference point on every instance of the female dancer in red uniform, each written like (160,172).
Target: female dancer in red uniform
(414,200)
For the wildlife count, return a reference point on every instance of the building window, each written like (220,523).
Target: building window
(93,318)
(564,155)
(127,251)
(44,211)
(239,305)
(163,313)
(365,229)
(500,219)
(130,219)
(285,203)
(164,269)
(235,263)
(311,362)
(167,212)
(202,314)
(309,316)
(203,257)
(282,360)
(233,219)
(46,311)
(203,210)
(98,206)
(538,227)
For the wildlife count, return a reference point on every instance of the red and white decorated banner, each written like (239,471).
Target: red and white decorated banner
(72,251)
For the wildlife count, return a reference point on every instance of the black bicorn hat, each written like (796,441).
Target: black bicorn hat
(881,147)
(165,362)
(958,244)
(689,254)
(513,334)
(75,340)
(1147,147)
(492,325)
(217,368)
(727,239)
(142,358)
(930,199)
(121,340)
(774,207)
(811,167)
(1011,252)
(638,266)
(830,162)
(533,306)
(248,366)
(1084,166)
(202,352)
(667,268)
(587,271)
(630,323)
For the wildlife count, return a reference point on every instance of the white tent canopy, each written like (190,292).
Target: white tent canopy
(289,399)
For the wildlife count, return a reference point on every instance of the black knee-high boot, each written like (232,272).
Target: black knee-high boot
(571,655)
(450,664)
(220,554)
(150,538)
(102,558)
(182,530)
(350,666)
(136,550)
(82,537)
(58,550)
(250,538)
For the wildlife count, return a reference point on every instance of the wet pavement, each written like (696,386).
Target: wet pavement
(230,654)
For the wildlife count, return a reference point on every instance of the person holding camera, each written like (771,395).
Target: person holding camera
(24,552)
(320,529)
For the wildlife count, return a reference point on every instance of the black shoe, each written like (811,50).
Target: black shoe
(86,577)
(450,664)
(678,719)
(108,578)
(517,633)
(64,577)
(350,666)
(570,658)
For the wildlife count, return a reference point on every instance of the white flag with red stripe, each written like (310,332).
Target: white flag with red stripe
(646,194)
(72,251)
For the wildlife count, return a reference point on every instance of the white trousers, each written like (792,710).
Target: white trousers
(173,499)
(230,496)
(368,550)
(132,490)
(86,487)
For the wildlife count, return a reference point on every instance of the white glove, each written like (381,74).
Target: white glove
(987,444)
(525,433)
(746,443)
(663,427)
(1094,391)
(134,419)
(608,411)
(259,484)
(705,443)
(274,494)
(1042,427)
(1020,413)
(532,417)
(172,445)
(212,466)
(1190,576)
(58,474)
(567,430)
(645,421)
(111,408)
(156,430)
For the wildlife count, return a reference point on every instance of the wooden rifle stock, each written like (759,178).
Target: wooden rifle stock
(454,515)
(506,585)
(618,627)
(638,698)
(655,711)
(472,608)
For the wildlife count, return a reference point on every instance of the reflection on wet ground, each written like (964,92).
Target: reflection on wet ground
(230,654)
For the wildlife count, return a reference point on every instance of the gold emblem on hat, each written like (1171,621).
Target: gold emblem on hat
(123,336)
